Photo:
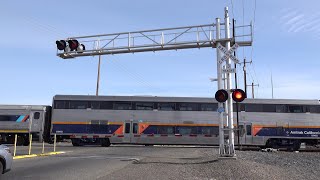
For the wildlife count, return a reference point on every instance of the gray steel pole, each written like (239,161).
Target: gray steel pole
(245,76)
(219,78)
(252,90)
(231,151)
(98,78)
(271,85)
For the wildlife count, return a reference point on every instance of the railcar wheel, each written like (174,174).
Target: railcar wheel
(26,141)
(20,141)
(269,143)
(75,142)
(296,145)
(105,142)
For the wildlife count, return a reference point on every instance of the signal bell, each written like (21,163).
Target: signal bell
(221,95)
(238,95)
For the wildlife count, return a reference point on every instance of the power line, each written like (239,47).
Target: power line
(243,25)
(253,25)
(133,75)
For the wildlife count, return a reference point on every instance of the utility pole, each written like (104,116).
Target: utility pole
(252,90)
(98,77)
(271,85)
(236,83)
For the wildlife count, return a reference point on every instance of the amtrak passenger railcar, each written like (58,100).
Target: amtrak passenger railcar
(152,120)
(24,120)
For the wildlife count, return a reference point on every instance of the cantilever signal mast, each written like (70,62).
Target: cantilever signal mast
(188,37)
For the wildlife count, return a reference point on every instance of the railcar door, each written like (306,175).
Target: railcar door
(130,129)
(35,121)
(245,133)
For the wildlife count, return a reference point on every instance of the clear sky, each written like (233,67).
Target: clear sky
(286,42)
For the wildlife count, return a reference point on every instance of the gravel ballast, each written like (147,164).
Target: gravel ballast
(203,164)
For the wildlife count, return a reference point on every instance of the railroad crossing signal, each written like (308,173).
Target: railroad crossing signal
(221,95)
(61,44)
(73,45)
(228,54)
(238,95)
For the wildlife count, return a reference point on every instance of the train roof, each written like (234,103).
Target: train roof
(181,99)
(22,107)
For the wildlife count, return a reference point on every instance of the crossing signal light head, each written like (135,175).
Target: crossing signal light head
(73,44)
(238,95)
(221,95)
(61,44)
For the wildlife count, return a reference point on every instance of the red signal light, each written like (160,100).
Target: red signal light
(238,95)
(61,44)
(73,44)
(221,95)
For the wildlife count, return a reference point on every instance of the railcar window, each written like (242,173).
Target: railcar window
(8,117)
(281,108)
(295,109)
(60,104)
(78,105)
(135,128)
(95,105)
(188,106)
(122,105)
(165,130)
(314,109)
(127,128)
(144,106)
(106,105)
(269,108)
(36,115)
(208,130)
(254,108)
(186,130)
(241,107)
(208,107)
(166,106)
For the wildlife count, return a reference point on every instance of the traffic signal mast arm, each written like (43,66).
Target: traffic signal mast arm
(188,37)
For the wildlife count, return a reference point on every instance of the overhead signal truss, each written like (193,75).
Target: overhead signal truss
(200,36)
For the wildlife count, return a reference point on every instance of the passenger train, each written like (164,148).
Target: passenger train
(151,120)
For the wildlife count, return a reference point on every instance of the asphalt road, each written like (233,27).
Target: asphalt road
(91,162)
(162,162)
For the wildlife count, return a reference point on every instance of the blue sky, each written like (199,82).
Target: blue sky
(286,41)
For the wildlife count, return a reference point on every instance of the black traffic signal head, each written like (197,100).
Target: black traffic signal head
(221,95)
(61,44)
(238,95)
(73,44)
